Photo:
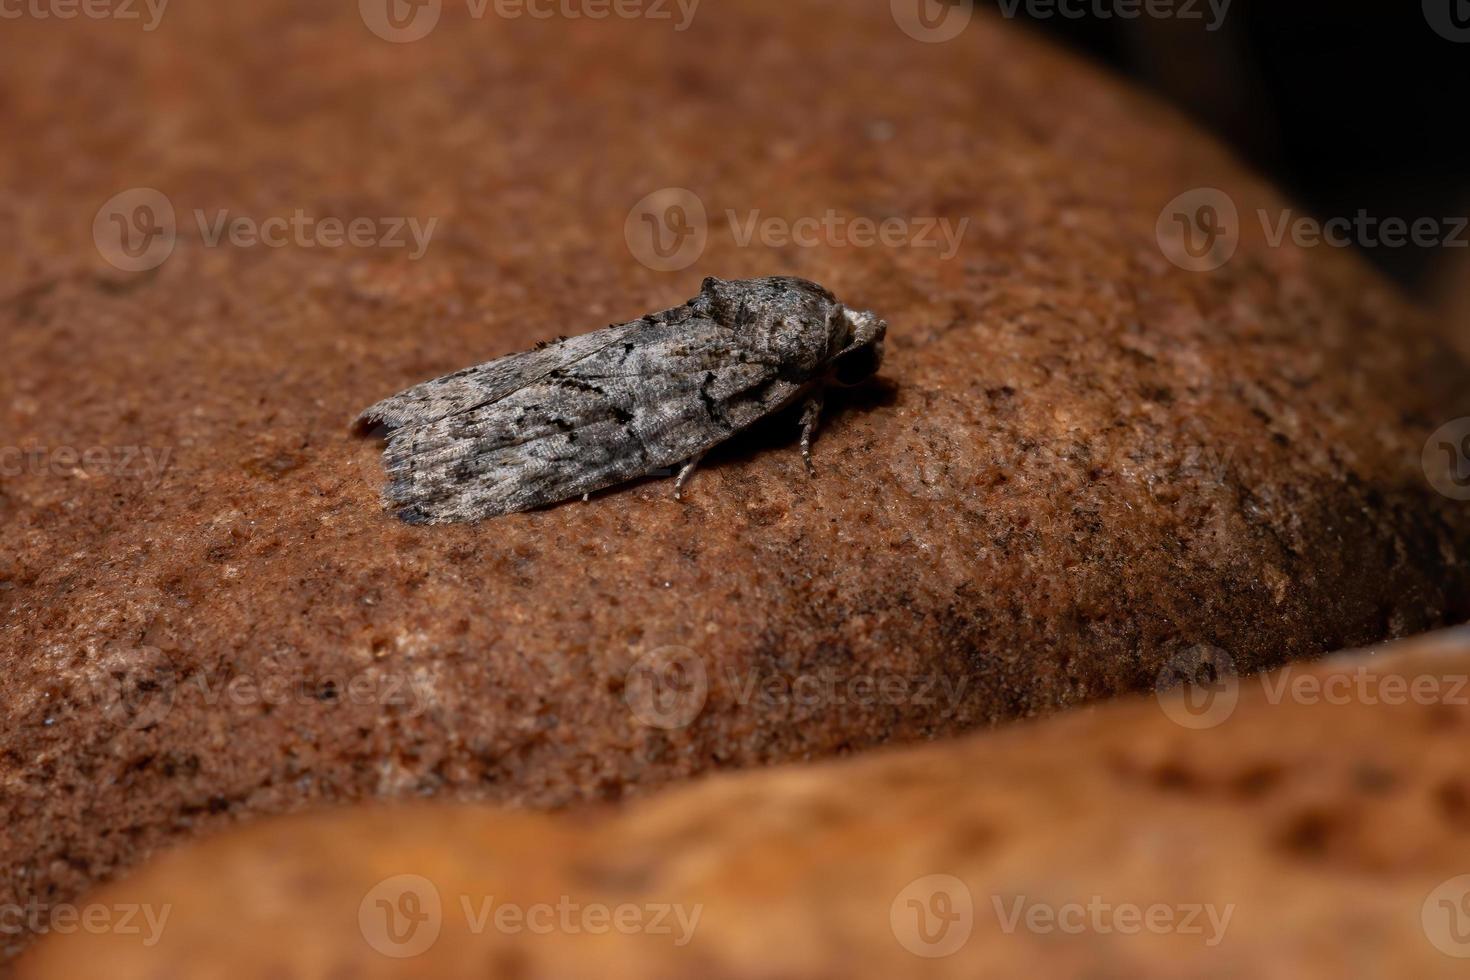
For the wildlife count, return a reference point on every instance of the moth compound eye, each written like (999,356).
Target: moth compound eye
(839,327)
(857,366)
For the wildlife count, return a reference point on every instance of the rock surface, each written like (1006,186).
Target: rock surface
(1315,823)
(1082,460)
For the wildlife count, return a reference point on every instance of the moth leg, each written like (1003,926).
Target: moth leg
(810,412)
(586,497)
(684,472)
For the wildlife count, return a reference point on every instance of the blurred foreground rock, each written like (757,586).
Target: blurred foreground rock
(1314,822)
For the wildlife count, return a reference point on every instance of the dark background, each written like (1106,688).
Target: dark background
(1346,105)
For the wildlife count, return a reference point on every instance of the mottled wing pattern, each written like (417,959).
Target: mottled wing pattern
(475,386)
(641,396)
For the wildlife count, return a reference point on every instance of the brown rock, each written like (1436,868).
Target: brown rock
(1313,826)
(1083,461)
(1451,295)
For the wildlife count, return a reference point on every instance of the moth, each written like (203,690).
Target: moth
(587,412)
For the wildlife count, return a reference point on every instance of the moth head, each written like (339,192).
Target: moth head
(860,359)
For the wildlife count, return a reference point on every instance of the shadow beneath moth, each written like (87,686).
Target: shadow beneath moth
(588,412)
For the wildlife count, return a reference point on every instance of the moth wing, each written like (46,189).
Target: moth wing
(627,410)
(463,390)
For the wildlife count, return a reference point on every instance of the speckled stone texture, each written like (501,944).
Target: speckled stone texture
(1080,461)
(1314,830)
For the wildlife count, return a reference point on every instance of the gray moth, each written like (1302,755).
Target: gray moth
(587,412)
